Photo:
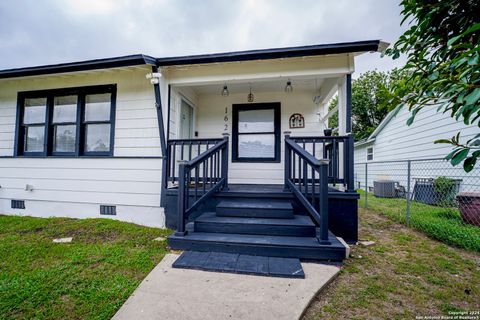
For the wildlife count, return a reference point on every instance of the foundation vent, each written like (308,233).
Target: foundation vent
(108,210)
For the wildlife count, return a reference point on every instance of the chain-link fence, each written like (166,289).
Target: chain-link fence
(429,195)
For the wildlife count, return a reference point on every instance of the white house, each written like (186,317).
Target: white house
(393,142)
(393,139)
(152,140)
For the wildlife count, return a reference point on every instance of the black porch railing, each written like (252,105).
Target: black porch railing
(199,178)
(184,150)
(307,178)
(337,149)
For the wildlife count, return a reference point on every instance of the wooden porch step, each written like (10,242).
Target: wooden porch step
(255,208)
(298,226)
(273,246)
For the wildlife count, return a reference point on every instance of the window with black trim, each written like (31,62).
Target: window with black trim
(66,122)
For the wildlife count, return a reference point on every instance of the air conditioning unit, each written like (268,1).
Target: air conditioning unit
(384,188)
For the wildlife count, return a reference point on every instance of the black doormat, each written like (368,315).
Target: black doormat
(240,263)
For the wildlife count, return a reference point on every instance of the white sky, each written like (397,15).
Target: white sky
(37,32)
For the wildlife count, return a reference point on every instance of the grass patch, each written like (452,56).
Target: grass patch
(404,275)
(89,278)
(444,224)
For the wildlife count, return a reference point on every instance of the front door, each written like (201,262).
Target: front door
(256,132)
(186,120)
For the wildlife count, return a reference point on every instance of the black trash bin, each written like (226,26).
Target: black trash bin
(424,192)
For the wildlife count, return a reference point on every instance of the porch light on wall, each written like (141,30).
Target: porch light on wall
(250,96)
(154,77)
(288,87)
(225,91)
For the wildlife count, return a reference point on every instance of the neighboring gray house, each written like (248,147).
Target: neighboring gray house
(395,140)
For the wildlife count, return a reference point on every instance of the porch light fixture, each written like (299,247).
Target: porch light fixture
(288,87)
(317,99)
(225,91)
(250,96)
(154,77)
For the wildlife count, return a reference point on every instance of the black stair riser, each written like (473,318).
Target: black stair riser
(257,229)
(243,195)
(254,213)
(331,254)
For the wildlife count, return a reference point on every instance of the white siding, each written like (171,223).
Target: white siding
(210,124)
(360,154)
(398,141)
(75,187)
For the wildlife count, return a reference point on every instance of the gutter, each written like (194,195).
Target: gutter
(275,53)
(124,61)
(361,143)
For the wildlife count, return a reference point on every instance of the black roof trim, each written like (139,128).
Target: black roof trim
(131,60)
(276,53)
(140,59)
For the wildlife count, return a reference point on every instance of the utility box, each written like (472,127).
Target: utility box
(384,188)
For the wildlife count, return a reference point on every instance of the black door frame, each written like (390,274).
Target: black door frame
(276,106)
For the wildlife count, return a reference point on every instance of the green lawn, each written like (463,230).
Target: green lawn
(444,224)
(89,278)
(404,275)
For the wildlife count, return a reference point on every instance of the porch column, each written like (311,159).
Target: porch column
(342,106)
(345,127)
(348,103)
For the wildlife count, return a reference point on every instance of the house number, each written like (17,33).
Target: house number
(225,119)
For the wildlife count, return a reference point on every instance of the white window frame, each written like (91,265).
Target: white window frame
(370,153)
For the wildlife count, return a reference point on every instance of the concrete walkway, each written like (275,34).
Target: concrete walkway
(172,294)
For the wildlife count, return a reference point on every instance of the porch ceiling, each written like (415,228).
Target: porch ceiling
(298,84)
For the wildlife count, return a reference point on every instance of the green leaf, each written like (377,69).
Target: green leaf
(469,163)
(459,157)
(472,61)
(434,75)
(412,117)
(473,97)
(475,137)
(475,143)
(473,28)
(451,154)
(442,141)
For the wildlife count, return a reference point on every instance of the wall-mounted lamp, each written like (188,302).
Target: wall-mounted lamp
(288,87)
(250,96)
(154,77)
(225,91)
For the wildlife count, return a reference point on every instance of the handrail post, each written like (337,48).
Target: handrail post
(350,164)
(225,161)
(181,231)
(288,166)
(323,203)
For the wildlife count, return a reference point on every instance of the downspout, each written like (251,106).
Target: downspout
(161,129)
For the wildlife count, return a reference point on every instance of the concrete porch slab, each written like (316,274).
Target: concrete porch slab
(168,293)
